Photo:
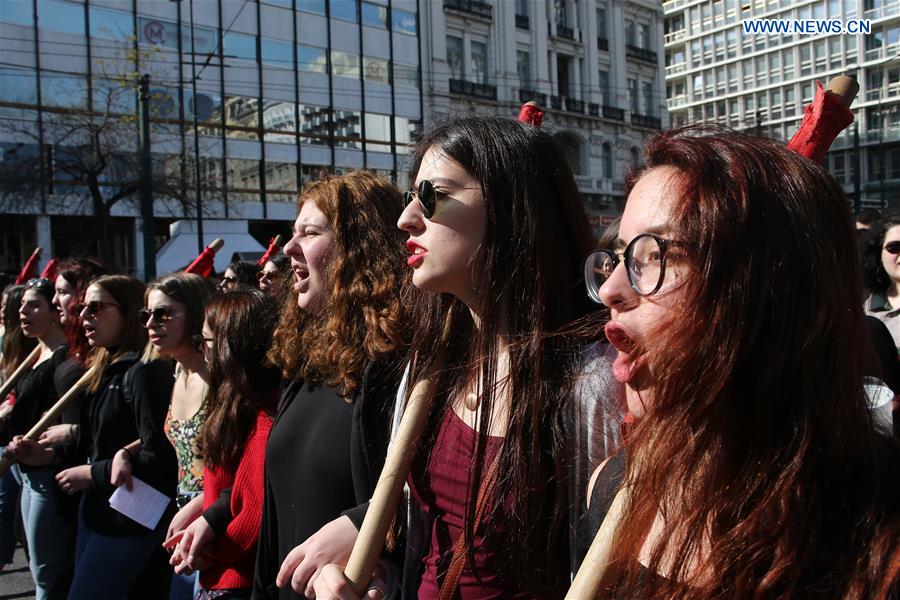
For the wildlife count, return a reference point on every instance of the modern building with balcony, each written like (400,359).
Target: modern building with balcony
(276,91)
(716,73)
(595,67)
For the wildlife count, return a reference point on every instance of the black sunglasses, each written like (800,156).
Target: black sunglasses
(37,282)
(892,247)
(92,307)
(200,342)
(160,314)
(426,195)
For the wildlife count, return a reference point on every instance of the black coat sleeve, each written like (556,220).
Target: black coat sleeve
(150,391)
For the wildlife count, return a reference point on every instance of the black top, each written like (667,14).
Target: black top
(323,460)
(65,377)
(112,418)
(35,394)
(605,488)
(884,364)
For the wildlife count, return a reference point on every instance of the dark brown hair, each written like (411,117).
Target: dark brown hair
(78,272)
(757,446)
(529,275)
(241,380)
(128,292)
(192,291)
(16,347)
(365,316)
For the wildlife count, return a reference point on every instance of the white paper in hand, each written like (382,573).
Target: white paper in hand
(143,503)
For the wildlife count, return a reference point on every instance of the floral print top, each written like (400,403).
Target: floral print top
(184,436)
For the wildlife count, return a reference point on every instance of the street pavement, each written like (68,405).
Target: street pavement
(15,578)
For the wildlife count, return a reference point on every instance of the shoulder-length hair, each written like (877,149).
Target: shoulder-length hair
(193,292)
(365,315)
(757,445)
(530,284)
(875,277)
(241,379)
(16,347)
(128,292)
(78,272)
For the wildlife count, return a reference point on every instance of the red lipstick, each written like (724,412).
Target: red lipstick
(417,253)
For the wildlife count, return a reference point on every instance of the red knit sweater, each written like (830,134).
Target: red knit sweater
(234,552)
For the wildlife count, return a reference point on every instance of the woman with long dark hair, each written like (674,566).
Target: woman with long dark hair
(495,231)
(46,530)
(242,395)
(753,467)
(881,272)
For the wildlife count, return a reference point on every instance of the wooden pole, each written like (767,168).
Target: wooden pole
(23,368)
(590,574)
(50,416)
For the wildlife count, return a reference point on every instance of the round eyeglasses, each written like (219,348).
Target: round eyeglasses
(645,265)
(426,195)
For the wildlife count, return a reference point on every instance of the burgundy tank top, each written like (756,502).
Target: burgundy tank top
(439,483)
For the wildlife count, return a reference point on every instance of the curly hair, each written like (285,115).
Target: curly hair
(366,280)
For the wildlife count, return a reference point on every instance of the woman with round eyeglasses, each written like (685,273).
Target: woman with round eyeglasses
(173,314)
(742,346)
(127,400)
(45,527)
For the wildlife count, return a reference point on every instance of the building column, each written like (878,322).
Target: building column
(554,75)
(576,77)
(43,234)
(138,237)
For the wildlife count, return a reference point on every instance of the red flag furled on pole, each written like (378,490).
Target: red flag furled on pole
(50,271)
(531,113)
(204,264)
(29,271)
(273,250)
(825,118)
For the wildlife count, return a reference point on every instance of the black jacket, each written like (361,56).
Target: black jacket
(112,418)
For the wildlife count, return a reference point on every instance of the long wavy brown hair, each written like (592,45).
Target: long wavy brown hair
(241,380)
(365,317)
(757,448)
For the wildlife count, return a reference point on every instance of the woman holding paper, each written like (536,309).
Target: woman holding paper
(242,397)
(127,400)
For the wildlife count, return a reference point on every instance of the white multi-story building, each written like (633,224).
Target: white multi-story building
(594,66)
(716,73)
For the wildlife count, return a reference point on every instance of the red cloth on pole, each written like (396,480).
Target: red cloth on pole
(823,120)
(29,271)
(50,271)
(271,251)
(204,264)
(531,114)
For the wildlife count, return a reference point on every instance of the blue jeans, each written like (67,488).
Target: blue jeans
(184,587)
(9,504)
(48,535)
(106,566)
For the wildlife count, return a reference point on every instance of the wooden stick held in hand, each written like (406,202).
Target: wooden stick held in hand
(23,368)
(50,416)
(388,490)
(590,574)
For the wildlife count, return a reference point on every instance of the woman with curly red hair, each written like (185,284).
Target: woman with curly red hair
(753,467)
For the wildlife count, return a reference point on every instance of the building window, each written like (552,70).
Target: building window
(311,59)
(604,86)
(629,32)
(19,13)
(374,15)
(523,63)
(648,99)
(455,57)
(522,8)
(109,24)
(404,22)
(344,64)
(277,54)
(344,10)
(633,95)
(607,161)
(239,45)
(643,34)
(313,6)
(64,17)
(406,75)
(479,55)
(601,22)
(376,69)
(559,12)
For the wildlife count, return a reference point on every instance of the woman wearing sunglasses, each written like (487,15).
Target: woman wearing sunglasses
(753,467)
(495,229)
(274,274)
(127,400)
(240,274)
(243,388)
(46,529)
(884,302)
(173,316)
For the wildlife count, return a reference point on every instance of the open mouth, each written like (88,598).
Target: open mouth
(630,358)
(417,253)
(301,275)
(89,329)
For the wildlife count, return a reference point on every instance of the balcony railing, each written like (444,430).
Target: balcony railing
(611,112)
(528,95)
(473,7)
(676,101)
(603,44)
(676,68)
(565,32)
(886,10)
(593,109)
(674,36)
(639,120)
(640,53)
(573,105)
(523,22)
(479,90)
(585,184)
(670,5)
(556,103)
